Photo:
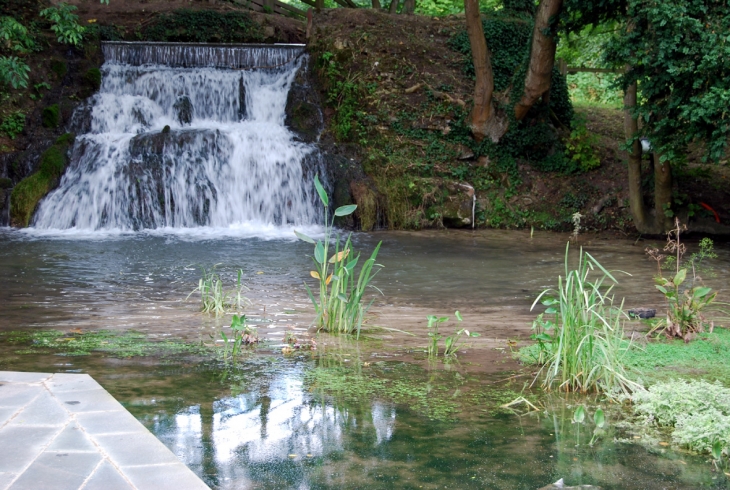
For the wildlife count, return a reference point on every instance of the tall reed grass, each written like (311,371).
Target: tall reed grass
(582,349)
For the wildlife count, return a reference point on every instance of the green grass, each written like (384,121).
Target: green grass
(706,357)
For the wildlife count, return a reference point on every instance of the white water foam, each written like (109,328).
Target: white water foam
(230,168)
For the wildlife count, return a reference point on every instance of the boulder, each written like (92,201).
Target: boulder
(303,114)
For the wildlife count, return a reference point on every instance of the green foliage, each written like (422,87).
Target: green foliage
(65,24)
(214,299)
(13,72)
(685,301)
(204,26)
(340,306)
(93,78)
(679,55)
(698,411)
(243,334)
(580,147)
(53,161)
(344,93)
(594,89)
(582,348)
(51,116)
(14,36)
(451,343)
(12,124)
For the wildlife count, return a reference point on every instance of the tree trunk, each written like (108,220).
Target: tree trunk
(409,6)
(662,193)
(542,58)
(636,198)
(484,120)
(393,7)
(376,4)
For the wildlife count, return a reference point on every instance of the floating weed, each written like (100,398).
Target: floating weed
(116,344)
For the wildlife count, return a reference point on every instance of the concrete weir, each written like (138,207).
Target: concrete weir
(64,431)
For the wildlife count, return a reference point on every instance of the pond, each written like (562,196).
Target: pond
(368,414)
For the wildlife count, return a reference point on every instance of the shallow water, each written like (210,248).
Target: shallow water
(239,429)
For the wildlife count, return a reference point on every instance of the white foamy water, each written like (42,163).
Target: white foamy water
(228,165)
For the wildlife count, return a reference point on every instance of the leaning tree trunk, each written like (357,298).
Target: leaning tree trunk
(376,4)
(542,58)
(393,7)
(636,197)
(409,7)
(662,193)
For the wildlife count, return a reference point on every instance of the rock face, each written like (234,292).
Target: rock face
(458,207)
(184,110)
(303,113)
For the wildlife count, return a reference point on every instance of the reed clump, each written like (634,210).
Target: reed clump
(580,335)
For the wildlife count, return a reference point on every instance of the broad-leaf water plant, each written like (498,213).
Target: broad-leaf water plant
(451,342)
(339,306)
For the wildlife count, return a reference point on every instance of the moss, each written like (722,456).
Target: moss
(25,198)
(59,68)
(53,161)
(93,78)
(5,183)
(65,139)
(51,116)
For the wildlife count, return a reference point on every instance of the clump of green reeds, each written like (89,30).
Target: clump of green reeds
(214,299)
(340,307)
(582,348)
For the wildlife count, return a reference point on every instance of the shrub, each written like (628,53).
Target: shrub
(13,72)
(14,36)
(51,116)
(12,125)
(65,24)
(203,26)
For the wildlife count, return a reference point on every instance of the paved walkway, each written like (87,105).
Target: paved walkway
(64,431)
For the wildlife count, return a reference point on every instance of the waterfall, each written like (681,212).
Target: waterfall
(183,136)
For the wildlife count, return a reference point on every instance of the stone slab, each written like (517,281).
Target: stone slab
(64,431)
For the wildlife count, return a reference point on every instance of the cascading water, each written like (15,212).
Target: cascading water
(225,160)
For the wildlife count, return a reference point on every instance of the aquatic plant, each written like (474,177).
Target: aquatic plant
(698,411)
(451,342)
(340,307)
(583,348)
(243,334)
(685,302)
(214,299)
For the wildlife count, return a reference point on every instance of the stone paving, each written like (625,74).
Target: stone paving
(64,431)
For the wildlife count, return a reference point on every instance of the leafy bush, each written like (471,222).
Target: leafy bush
(14,36)
(13,72)
(580,147)
(65,24)
(12,125)
(699,412)
(583,348)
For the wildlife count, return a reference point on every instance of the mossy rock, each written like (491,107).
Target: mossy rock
(26,196)
(53,162)
(51,116)
(60,68)
(93,78)
(66,139)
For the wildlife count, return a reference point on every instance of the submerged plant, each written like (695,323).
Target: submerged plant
(685,294)
(339,307)
(214,299)
(582,349)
